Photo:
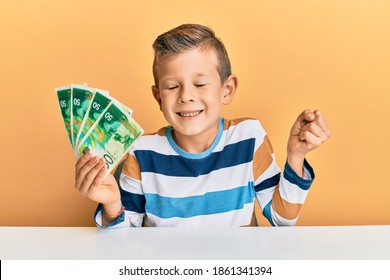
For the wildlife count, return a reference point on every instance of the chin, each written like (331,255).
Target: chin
(188,131)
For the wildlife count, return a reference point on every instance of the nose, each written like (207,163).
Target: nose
(185,95)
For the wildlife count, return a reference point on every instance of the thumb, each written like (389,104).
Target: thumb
(305,117)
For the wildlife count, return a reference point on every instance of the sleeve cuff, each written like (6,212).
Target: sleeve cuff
(291,176)
(98,218)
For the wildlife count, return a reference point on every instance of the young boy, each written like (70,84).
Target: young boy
(202,170)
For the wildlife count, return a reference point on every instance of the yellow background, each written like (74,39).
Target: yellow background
(289,55)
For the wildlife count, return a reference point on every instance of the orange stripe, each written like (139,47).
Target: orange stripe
(257,212)
(284,208)
(131,168)
(160,132)
(233,122)
(262,158)
(116,167)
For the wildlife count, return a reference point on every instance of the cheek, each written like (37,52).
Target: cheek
(166,106)
(165,101)
(215,100)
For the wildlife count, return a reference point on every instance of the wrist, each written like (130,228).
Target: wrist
(113,210)
(296,162)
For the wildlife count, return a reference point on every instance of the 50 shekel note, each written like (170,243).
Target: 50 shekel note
(98,105)
(111,136)
(64,95)
(81,99)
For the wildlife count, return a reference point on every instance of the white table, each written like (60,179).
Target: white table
(267,243)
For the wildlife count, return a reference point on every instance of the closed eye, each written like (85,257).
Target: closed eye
(172,87)
(200,85)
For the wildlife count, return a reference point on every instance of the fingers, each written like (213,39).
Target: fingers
(310,140)
(321,121)
(93,178)
(305,117)
(316,132)
(309,116)
(79,175)
(89,173)
(315,129)
(82,161)
(308,132)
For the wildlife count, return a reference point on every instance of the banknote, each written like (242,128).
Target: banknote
(97,106)
(127,109)
(97,122)
(111,136)
(64,95)
(81,99)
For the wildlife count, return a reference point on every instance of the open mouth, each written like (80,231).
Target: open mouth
(189,114)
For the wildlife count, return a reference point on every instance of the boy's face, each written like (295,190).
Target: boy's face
(190,93)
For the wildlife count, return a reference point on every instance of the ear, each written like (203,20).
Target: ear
(156,95)
(229,89)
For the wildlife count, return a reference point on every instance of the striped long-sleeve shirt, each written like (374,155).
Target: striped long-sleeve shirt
(162,185)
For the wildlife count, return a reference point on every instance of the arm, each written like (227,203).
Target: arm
(118,206)
(282,195)
(128,176)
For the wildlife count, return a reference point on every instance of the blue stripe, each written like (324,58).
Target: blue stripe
(207,204)
(133,202)
(269,183)
(267,213)
(196,156)
(293,177)
(172,165)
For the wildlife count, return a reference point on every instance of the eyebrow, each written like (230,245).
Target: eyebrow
(196,75)
(200,75)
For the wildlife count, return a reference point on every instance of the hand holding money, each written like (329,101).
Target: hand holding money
(101,131)
(90,182)
(97,123)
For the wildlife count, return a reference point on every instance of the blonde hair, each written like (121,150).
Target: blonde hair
(186,37)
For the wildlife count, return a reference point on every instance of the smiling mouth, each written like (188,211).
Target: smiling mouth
(189,114)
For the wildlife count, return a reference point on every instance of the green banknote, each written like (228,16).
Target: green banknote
(64,95)
(81,99)
(98,105)
(127,109)
(112,136)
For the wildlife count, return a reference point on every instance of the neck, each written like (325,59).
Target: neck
(195,144)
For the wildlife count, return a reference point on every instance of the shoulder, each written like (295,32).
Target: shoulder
(243,129)
(245,126)
(160,132)
(151,141)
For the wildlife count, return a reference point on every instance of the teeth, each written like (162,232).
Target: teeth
(193,114)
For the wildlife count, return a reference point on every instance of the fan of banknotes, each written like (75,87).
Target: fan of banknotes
(97,123)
